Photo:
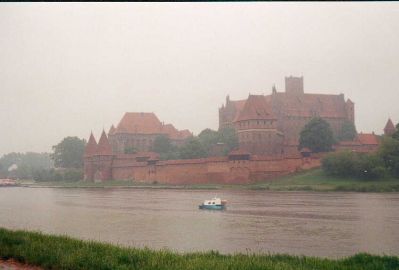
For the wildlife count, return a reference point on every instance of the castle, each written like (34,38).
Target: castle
(271,124)
(268,129)
(138,130)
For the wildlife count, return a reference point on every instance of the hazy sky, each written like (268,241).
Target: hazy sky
(67,69)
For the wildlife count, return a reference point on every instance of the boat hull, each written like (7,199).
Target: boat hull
(212,207)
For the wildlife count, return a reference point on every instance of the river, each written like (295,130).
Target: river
(302,223)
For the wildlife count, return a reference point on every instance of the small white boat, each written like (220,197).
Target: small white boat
(214,204)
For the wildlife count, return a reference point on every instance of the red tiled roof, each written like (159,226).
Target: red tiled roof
(148,123)
(327,106)
(103,147)
(139,122)
(349,143)
(238,104)
(256,107)
(91,146)
(111,130)
(389,126)
(367,139)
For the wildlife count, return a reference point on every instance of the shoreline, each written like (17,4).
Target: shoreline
(63,252)
(311,181)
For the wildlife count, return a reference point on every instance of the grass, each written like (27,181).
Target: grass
(312,180)
(316,180)
(61,252)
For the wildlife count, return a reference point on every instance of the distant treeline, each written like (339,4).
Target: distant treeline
(384,163)
(65,163)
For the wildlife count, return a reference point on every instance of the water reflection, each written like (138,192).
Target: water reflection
(319,224)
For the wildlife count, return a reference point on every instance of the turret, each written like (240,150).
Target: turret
(111,130)
(91,146)
(389,128)
(103,147)
(101,164)
(350,110)
(90,151)
(294,85)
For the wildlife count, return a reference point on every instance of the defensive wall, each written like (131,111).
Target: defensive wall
(215,170)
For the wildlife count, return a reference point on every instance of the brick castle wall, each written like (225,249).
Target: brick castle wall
(217,170)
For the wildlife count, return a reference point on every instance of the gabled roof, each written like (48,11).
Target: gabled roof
(111,130)
(326,106)
(91,146)
(367,139)
(139,122)
(389,126)
(148,123)
(103,147)
(256,107)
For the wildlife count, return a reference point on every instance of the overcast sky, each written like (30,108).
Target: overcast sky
(67,69)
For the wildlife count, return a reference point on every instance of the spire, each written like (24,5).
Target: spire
(104,148)
(389,128)
(111,130)
(91,146)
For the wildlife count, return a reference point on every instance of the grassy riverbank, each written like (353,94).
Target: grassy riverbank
(313,180)
(60,252)
(316,180)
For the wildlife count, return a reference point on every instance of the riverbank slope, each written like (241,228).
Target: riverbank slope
(312,180)
(61,252)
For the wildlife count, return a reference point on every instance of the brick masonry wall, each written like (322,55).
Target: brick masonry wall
(210,170)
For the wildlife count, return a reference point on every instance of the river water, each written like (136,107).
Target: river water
(303,223)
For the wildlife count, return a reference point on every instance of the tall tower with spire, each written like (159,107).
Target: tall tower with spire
(389,128)
(98,159)
(90,151)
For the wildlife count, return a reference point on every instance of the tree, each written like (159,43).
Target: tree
(25,164)
(317,136)
(389,152)
(228,136)
(69,153)
(208,138)
(192,149)
(162,144)
(395,135)
(348,131)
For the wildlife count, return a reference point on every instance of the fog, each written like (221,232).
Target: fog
(68,69)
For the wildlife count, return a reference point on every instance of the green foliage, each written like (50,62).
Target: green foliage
(69,153)
(196,147)
(350,164)
(317,136)
(339,164)
(62,252)
(389,152)
(395,135)
(162,144)
(26,164)
(58,175)
(130,150)
(348,131)
(192,149)
(208,138)
(229,137)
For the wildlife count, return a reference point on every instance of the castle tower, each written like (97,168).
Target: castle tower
(90,150)
(389,128)
(294,85)
(256,128)
(102,165)
(350,110)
